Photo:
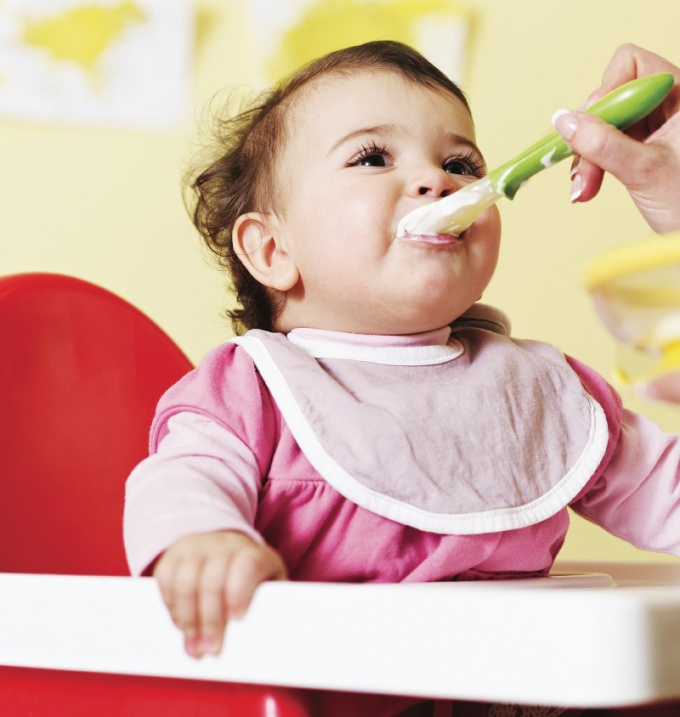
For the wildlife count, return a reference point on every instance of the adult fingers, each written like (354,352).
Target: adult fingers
(608,148)
(649,170)
(586,179)
(631,61)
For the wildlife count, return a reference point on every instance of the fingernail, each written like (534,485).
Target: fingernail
(191,646)
(209,645)
(576,188)
(565,123)
(575,168)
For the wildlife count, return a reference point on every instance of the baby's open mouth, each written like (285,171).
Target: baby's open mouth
(433,239)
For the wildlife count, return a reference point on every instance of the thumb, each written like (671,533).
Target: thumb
(606,147)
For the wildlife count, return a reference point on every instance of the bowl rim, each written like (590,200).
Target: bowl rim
(629,259)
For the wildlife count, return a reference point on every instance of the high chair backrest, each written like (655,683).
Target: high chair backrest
(81,371)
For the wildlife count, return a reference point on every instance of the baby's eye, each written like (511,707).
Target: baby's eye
(372,160)
(469,166)
(370,156)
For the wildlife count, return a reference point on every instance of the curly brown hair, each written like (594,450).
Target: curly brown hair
(249,145)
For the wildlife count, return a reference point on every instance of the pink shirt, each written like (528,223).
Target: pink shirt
(223,458)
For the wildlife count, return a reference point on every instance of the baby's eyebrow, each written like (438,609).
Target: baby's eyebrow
(381,129)
(387,129)
(458,139)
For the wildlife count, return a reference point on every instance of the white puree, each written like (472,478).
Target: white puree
(547,160)
(453,214)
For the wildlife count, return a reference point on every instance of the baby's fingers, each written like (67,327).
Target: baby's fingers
(178,581)
(207,578)
(212,608)
(250,567)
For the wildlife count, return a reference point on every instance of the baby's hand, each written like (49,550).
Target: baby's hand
(207,579)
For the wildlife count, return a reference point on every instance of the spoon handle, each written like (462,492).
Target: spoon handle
(622,107)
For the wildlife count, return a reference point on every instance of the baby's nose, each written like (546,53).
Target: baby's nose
(435,183)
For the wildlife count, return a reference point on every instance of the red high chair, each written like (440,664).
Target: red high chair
(81,371)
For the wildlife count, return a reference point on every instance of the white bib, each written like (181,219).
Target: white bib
(480,434)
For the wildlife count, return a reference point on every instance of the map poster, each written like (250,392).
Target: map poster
(102,62)
(293,32)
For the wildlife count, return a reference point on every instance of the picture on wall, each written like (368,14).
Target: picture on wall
(292,32)
(101,62)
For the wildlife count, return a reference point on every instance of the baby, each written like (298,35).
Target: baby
(371,421)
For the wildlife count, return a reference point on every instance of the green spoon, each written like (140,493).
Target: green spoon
(622,107)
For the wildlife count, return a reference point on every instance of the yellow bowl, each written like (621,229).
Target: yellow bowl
(633,259)
(636,292)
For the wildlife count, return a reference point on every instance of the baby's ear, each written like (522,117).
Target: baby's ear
(261,250)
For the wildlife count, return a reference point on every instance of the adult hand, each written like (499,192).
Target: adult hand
(645,159)
(208,578)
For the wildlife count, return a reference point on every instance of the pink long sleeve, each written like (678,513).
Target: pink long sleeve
(637,496)
(223,458)
(202,478)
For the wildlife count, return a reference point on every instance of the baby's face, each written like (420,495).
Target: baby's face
(363,152)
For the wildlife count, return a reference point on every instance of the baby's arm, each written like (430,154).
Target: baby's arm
(208,578)
(189,519)
(637,497)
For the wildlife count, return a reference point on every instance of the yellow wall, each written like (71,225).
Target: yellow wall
(105,205)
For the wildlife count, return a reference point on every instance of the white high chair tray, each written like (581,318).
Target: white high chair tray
(597,635)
